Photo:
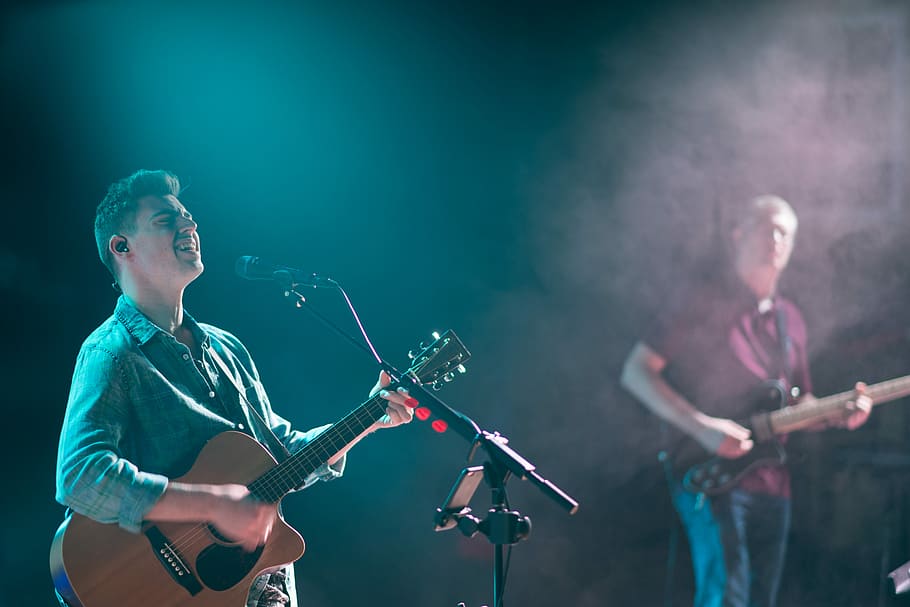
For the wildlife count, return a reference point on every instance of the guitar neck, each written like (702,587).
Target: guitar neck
(291,473)
(805,414)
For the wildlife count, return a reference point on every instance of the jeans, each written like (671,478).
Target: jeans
(738,541)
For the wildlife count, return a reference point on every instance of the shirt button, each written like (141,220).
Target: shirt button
(186,356)
(240,426)
(211,394)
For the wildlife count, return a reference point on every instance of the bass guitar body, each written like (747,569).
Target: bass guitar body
(702,472)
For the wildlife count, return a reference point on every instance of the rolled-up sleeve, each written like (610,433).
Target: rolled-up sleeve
(93,478)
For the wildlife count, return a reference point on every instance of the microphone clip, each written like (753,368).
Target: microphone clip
(291,281)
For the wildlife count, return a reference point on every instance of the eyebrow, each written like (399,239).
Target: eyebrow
(171,212)
(161,213)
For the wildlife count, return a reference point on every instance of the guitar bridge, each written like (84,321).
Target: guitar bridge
(171,560)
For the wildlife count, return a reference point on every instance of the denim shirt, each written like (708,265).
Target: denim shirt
(141,408)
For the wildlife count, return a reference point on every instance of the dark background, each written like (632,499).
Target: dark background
(536,177)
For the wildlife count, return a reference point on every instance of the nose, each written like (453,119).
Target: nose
(187,224)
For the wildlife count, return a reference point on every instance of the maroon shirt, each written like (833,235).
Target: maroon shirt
(720,349)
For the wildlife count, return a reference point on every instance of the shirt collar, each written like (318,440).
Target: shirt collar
(142,329)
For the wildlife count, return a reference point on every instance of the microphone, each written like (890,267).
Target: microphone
(253,268)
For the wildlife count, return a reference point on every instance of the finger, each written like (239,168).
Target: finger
(746,445)
(400,414)
(860,387)
(384,379)
(392,397)
(409,401)
(855,421)
(399,398)
(740,433)
(406,414)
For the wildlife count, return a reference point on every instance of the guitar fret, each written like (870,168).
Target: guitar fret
(785,419)
(434,364)
(290,474)
(716,475)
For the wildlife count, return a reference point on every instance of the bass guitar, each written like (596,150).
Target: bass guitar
(190,565)
(716,475)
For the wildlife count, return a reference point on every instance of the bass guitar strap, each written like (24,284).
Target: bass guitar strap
(786,344)
(774,358)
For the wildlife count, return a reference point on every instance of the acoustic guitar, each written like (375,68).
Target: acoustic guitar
(190,565)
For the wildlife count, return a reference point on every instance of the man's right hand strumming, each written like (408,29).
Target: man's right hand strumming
(642,377)
(240,517)
(724,437)
(229,508)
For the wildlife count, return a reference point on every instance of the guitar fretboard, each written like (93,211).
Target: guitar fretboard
(290,474)
(798,416)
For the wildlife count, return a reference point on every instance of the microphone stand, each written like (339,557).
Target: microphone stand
(502,526)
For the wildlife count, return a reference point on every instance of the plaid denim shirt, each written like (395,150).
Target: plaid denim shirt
(140,409)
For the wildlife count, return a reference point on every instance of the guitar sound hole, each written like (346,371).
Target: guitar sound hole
(218,536)
(222,567)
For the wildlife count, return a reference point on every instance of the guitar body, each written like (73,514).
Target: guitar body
(718,475)
(190,565)
(172,564)
(703,472)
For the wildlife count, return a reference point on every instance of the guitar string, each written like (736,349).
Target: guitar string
(276,478)
(880,393)
(201,531)
(883,392)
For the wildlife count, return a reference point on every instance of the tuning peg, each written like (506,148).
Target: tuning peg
(461,369)
(435,335)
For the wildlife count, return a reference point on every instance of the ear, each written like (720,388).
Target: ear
(118,245)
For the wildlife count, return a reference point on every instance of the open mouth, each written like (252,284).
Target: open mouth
(187,245)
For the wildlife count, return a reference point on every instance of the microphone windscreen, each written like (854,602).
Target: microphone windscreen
(250,267)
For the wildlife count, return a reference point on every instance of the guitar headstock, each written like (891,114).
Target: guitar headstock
(439,362)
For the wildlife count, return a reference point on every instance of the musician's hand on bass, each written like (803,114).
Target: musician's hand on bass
(724,437)
(858,409)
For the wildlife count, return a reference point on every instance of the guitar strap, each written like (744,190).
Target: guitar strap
(786,344)
(765,353)
(279,451)
(780,373)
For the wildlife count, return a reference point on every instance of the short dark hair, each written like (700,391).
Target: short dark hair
(117,212)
